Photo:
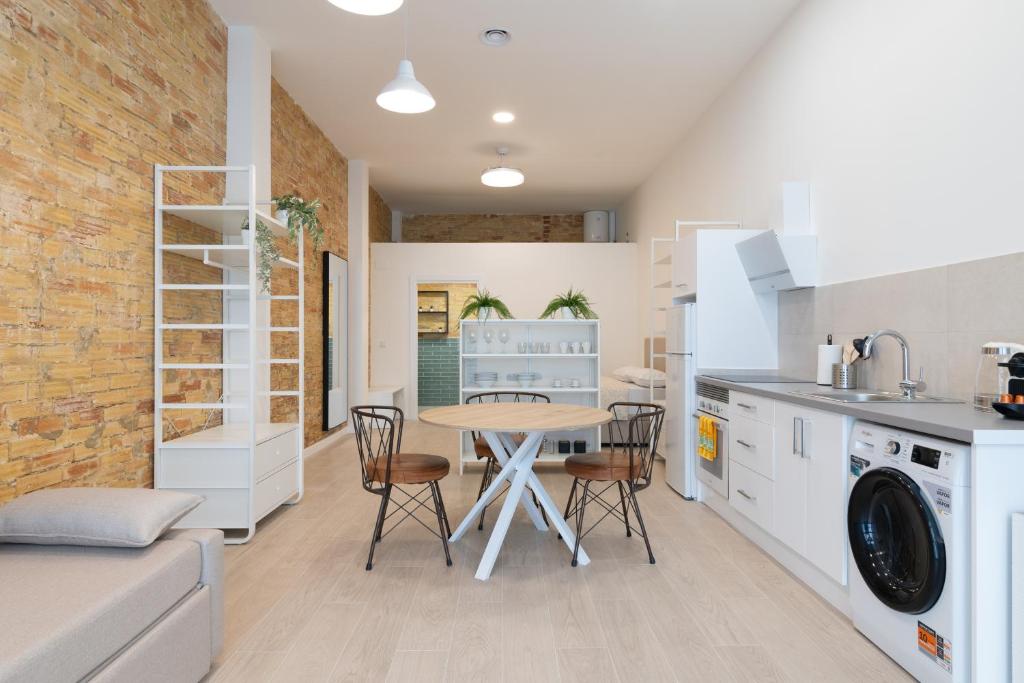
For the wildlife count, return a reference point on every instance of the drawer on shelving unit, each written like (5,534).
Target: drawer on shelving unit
(272,454)
(747,405)
(751,494)
(221,509)
(204,467)
(275,489)
(751,445)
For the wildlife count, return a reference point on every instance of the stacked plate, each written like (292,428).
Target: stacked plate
(485,379)
(525,379)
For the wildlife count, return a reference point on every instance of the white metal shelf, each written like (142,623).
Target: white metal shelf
(226,219)
(534,389)
(530,355)
(235,435)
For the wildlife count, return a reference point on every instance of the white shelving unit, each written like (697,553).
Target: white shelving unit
(504,359)
(248,466)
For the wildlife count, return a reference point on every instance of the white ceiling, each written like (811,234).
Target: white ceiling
(602,89)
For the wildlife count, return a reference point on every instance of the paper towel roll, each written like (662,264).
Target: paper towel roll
(828,354)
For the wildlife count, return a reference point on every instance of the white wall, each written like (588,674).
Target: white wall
(525,275)
(907,118)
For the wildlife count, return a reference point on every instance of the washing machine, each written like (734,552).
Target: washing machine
(907,521)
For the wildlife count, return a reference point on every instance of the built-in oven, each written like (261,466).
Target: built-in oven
(713,403)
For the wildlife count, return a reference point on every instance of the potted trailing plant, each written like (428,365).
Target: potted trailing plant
(297,215)
(484,305)
(571,305)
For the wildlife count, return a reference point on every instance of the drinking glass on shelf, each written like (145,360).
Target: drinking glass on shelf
(471,341)
(503,337)
(546,347)
(522,347)
(488,338)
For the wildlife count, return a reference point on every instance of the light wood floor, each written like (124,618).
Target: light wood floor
(301,607)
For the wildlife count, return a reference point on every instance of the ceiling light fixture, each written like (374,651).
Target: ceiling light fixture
(503,117)
(404,94)
(502,175)
(373,8)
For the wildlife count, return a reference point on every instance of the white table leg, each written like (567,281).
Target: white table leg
(507,471)
(509,446)
(524,468)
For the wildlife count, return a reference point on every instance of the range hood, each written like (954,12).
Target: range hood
(777,263)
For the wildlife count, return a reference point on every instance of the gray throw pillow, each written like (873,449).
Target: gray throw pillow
(129,518)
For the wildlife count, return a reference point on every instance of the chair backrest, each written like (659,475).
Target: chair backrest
(637,428)
(378,431)
(506,397)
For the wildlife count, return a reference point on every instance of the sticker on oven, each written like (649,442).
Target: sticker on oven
(942,497)
(858,465)
(933,646)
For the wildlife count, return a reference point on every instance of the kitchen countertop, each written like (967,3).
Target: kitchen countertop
(957,421)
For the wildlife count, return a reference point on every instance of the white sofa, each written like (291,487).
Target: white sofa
(72,613)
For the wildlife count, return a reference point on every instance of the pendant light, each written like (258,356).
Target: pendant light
(373,8)
(404,94)
(502,175)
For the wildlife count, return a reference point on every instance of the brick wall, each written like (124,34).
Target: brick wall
(492,228)
(305,162)
(91,95)
(458,292)
(380,218)
(438,371)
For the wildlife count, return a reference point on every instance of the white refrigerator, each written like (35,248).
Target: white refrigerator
(680,360)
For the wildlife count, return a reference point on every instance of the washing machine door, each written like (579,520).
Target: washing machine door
(896,541)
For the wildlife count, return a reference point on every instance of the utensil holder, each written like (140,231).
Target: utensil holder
(844,376)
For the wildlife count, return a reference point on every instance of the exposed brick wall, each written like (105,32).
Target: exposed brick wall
(91,95)
(305,162)
(492,228)
(458,292)
(380,218)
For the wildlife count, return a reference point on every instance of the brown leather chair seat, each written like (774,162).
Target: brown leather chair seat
(483,449)
(602,466)
(410,468)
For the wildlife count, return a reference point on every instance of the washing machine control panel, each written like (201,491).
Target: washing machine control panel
(892,447)
(877,446)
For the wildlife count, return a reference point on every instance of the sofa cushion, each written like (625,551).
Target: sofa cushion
(67,609)
(131,518)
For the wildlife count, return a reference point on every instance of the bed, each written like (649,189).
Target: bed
(614,390)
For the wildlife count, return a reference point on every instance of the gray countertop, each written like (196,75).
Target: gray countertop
(957,421)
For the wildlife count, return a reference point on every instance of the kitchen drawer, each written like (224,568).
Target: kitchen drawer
(751,445)
(751,495)
(270,455)
(275,489)
(755,407)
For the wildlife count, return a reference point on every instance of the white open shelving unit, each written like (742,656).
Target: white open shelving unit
(503,359)
(248,466)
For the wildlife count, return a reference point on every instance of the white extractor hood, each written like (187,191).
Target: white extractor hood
(776,263)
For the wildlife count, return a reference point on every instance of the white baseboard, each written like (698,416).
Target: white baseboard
(325,443)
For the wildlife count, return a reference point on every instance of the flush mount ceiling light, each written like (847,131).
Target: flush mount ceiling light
(502,175)
(404,94)
(495,37)
(503,117)
(374,8)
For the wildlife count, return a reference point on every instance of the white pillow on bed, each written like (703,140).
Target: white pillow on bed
(640,376)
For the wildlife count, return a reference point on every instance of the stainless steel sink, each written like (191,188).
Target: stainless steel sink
(852,396)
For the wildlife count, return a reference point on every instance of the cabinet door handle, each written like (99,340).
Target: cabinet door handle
(746,445)
(746,406)
(746,495)
(805,427)
(798,421)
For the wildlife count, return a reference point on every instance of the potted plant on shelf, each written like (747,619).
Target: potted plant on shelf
(296,215)
(484,305)
(571,305)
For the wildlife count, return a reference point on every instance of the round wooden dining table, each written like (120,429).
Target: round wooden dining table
(499,423)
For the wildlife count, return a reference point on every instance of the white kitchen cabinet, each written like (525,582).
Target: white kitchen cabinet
(809,500)
(684,265)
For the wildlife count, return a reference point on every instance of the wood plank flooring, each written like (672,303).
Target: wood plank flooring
(300,605)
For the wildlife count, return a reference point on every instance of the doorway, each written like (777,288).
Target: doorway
(438,305)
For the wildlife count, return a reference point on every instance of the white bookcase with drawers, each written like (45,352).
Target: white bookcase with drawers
(246,466)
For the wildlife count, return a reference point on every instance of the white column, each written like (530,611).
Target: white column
(248,142)
(358,280)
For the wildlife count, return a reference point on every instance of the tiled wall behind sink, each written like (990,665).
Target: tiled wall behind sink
(945,313)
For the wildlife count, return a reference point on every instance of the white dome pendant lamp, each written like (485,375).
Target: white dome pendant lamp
(404,94)
(373,8)
(502,175)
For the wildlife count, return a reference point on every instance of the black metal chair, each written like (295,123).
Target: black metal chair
(628,467)
(378,431)
(483,449)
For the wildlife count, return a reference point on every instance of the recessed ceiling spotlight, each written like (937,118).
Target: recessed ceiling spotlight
(373,8)
(503,117)
(502,175)
(495,37)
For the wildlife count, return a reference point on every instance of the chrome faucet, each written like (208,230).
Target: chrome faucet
(907,385)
